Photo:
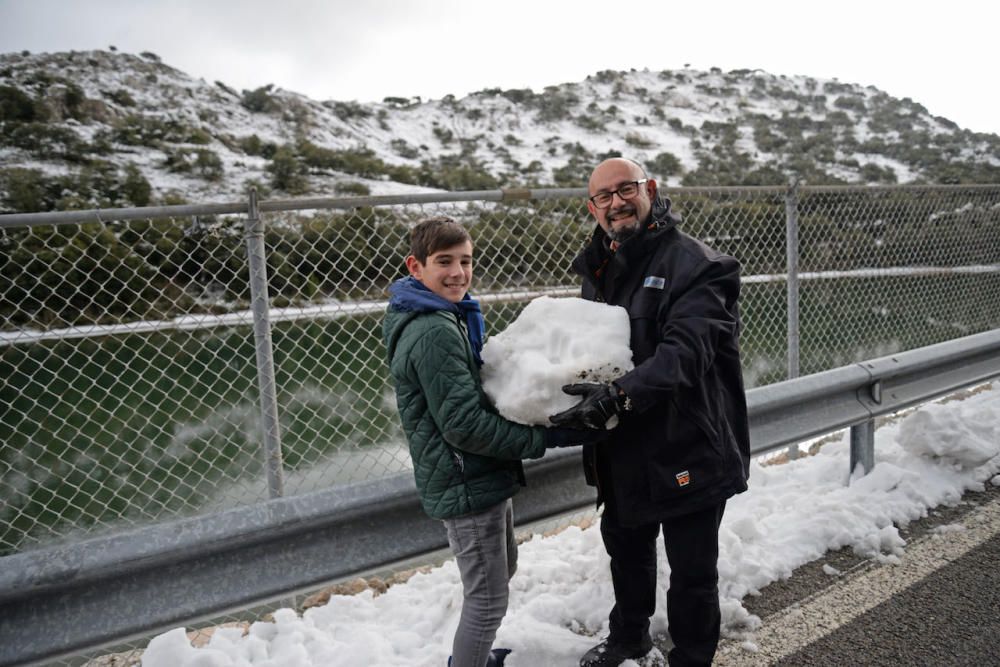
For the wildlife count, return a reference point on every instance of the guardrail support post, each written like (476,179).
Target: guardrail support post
(260,307)
(863,446)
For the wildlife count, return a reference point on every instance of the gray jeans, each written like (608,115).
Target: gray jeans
(486,554)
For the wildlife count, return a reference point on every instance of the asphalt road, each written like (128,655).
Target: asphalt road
(940,605)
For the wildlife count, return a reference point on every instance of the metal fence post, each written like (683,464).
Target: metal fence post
(792,268)
(863,446)
(260,307)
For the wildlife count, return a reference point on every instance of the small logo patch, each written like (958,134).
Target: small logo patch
(683,478)
(655,282)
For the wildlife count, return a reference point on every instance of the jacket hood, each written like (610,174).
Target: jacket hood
(392,327)
(661,215)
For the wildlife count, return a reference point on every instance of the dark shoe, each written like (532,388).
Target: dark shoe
(497,656)
(612,654)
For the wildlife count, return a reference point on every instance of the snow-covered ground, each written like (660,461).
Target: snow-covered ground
(561,594)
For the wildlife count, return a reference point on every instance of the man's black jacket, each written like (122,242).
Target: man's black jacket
(685,445)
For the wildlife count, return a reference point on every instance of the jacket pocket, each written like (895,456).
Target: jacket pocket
(691,458)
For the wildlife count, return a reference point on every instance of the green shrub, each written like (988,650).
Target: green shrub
(665,164)
(637,140)
(359,161)
(137,130)
(767,139)
(353,188)
(197,135)
(574,173)
(288,173)
(99,184)
(517,95)
(253,145)
(835,87)
(16,105)
(576,149)
(456,172)
(208,165)
(201,161)
(73,98)
(135,188)
(872,173)
(24,191)
(850,102)
(47,141)
(444,135)
(121,97)
(318,157)
(589,123)
(348,110)
(765,175)
(607,76)
(555,104)
(403,149)
(177,160)
(260,100)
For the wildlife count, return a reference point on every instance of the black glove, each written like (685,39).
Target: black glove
(600,403)
(572,437)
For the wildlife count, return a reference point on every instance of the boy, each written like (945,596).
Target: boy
(466,457)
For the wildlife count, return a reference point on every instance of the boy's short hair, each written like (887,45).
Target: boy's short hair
(434,234)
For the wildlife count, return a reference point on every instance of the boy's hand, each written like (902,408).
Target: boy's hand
(600,403)
(571,437)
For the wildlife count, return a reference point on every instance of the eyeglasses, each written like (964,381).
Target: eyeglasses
(625,191)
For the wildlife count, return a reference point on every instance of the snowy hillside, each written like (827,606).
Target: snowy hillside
(105,128)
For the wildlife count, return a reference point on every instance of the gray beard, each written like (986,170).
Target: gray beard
(625,233)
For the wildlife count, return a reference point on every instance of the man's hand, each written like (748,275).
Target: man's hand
(600,403)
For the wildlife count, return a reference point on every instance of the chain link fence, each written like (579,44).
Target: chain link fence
(129,347)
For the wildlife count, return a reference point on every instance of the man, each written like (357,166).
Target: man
(681,447)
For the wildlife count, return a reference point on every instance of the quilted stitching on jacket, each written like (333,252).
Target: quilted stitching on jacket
(465,456)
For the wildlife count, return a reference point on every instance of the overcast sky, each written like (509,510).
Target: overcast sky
(942,55)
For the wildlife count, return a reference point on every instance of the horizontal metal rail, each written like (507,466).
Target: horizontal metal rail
(12,220)
(336,310)
(64,600)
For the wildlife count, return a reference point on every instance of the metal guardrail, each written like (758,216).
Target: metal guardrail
(60,601)
(853,396)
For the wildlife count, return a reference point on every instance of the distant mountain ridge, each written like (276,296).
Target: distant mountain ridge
(103,128)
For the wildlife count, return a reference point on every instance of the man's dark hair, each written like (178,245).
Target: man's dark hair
(434,234)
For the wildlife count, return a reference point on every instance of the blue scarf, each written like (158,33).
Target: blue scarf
(410,295)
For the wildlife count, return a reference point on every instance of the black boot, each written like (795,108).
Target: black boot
(611,654)
(497,656)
